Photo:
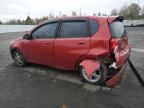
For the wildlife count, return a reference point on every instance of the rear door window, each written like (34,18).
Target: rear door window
(73,29)
(117,29)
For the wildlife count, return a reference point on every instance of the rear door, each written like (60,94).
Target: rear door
(72,42)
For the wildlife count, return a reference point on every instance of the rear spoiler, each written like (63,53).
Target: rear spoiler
(115,18)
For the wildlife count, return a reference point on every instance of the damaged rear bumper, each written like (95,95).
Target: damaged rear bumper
(117,78)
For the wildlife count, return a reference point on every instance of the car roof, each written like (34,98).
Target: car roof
(109,18)
(81,17)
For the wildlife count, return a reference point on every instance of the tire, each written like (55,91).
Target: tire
(100,74)
(19,59)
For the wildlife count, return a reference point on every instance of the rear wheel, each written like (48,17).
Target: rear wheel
(19,59)
(98,76)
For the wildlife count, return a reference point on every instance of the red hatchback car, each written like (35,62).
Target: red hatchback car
(97,47)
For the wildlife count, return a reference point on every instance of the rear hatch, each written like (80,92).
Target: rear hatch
(119,42)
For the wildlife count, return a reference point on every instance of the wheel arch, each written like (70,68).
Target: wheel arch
(99,58)
(14,49)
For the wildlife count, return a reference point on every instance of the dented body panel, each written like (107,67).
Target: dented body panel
(116,79)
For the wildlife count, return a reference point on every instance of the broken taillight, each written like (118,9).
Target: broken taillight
(115,44)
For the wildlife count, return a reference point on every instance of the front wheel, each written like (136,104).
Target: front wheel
(98,76)
(19,59)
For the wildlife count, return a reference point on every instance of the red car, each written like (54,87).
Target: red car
(97,47)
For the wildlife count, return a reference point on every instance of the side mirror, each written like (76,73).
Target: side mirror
(27,36)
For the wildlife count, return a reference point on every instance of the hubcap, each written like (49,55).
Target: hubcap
(95,76)
(18,58)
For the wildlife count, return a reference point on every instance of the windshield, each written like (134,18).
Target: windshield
(117,29)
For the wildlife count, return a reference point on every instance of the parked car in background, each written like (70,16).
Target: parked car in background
(97,47)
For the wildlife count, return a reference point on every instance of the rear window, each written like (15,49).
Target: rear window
(117,29)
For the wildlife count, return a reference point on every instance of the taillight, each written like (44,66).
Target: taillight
(118,44)
(115,44)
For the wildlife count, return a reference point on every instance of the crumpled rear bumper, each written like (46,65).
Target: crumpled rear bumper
(122,56)
(116,79)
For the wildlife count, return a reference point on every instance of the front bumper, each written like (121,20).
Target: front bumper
(117,78)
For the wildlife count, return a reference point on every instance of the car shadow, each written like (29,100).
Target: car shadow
(45,70)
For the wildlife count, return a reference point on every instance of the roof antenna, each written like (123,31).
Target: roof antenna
(28,13)
(80,11)
(60,14)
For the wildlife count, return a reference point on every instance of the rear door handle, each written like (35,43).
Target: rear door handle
(47,43)
(81,43)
